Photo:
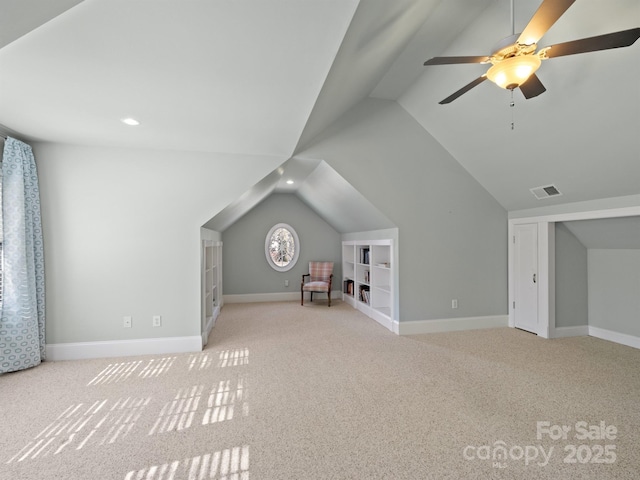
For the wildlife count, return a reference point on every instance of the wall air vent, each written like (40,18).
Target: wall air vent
(545,192)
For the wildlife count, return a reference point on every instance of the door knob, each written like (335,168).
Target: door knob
(534,278)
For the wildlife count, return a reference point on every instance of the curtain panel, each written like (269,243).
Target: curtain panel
(22,315)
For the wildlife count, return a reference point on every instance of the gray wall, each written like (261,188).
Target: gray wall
(571,279)
(452,233)
(614,290)
(246,269)
(122,235)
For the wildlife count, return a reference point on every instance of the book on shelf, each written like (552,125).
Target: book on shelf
(347,287)
(364,255)
(364,294)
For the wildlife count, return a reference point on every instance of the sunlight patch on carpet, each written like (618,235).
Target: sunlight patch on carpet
(227,464)
(233,358)
(78,426)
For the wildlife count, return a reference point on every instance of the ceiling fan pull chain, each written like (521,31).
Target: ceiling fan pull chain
(512,104)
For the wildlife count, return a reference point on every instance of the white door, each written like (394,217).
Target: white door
(526,277)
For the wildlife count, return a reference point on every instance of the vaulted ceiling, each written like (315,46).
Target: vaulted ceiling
(267,76)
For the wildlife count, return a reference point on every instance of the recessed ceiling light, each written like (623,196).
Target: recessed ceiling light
(289,182)
(131,121)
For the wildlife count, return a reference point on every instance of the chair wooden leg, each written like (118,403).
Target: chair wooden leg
(311,297)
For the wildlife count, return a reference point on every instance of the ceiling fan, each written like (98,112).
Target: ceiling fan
(515,59)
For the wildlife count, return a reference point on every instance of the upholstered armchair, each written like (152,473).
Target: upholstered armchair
(317,280)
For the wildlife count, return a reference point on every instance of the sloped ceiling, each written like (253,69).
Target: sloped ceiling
(19,17)
(377,37)
(267,76)
(202,75)
(236,209)
(287,178)
(607,233)
(339,203)
(334,199)
(581,134)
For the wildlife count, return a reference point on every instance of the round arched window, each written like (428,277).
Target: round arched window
(282,247)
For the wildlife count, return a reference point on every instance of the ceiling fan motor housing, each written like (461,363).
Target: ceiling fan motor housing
(513,63)
(512,72)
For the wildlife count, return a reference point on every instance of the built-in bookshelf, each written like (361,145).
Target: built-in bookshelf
(367,282)
(211,282)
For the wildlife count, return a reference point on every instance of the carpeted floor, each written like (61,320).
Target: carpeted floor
(290,392)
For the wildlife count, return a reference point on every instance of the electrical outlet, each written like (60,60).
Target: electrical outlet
(126,321)
(454,303)
(157,321)
(286,283)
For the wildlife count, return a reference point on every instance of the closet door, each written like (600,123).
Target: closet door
(526,277)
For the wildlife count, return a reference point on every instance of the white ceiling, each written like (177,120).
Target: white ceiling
(201,75)
(267,76)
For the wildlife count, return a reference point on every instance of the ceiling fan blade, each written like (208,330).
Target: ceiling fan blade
(546,15)
(463,90)
(532,87)
(454,60)
(624,38)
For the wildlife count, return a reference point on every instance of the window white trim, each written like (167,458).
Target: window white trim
(296,251)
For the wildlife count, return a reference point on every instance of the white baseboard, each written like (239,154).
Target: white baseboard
(577,331)
(621,338)
(262,297)
(123,348)
(274,297)
(450,324)
(383,320)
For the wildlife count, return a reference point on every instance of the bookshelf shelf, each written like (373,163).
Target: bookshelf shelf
(368,278)
(384,288)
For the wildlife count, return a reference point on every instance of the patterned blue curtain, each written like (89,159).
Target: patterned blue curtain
(22,340)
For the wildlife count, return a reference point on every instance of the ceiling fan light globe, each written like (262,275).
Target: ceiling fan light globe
(524,71)
(500,79)
(512,72)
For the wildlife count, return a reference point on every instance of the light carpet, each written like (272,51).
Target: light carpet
(290,392)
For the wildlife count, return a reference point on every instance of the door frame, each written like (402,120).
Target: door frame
(547,260)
